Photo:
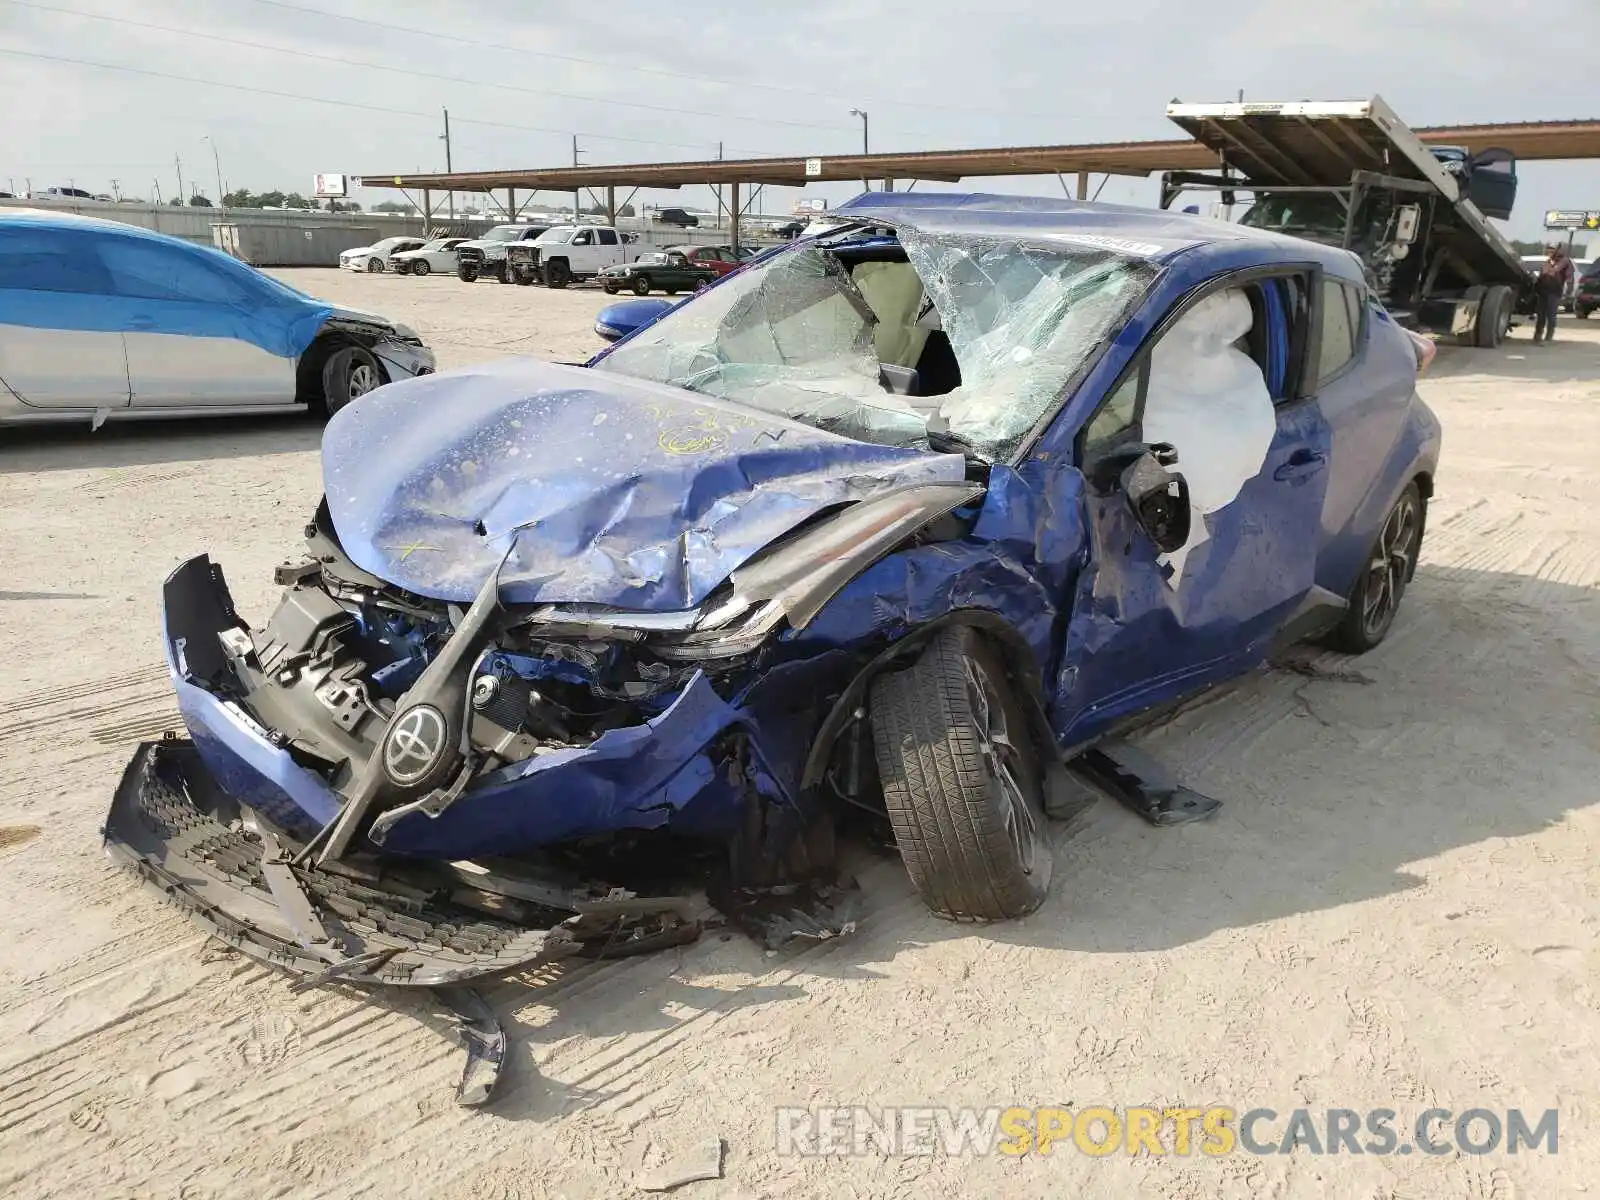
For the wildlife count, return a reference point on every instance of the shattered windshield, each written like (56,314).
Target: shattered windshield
(889,339)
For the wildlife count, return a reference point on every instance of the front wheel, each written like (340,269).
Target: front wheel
(374,266)
(558,274)
(420,267)
(349,374)
(467,274)
(1375,599)
(503,273)
(962,781)
(609,289)
(641,285)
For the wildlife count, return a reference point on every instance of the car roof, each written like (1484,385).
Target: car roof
(1150,233)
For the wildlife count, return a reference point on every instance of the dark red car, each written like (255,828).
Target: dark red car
(720,259)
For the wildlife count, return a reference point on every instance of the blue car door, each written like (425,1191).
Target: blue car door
(1141,632)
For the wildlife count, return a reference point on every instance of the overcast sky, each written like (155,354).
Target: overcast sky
(670,80)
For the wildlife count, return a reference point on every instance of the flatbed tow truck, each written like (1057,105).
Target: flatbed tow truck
(1352,174)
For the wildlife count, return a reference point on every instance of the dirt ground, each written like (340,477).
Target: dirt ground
(1397,906)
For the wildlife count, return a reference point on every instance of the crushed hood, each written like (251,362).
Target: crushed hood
(605,490)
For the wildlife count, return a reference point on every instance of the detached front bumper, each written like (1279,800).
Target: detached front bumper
(669,770)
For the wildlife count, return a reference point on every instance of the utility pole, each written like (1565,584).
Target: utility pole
(449,167)
(577,195)
(718,188)
(865,147)
(116,191)
(182,199)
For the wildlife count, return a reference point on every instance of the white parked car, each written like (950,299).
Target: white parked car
(100,320)
(437,255)
(374,259)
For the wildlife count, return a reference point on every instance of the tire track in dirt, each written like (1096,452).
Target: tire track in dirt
(96,687)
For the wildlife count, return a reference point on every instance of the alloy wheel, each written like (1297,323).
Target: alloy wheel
(1005,760)
(362,379)
(1389,568)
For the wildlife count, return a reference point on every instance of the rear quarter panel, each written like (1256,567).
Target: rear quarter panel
(1383,436)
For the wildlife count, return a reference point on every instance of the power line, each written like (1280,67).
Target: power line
(346,104)
(853,98)
(413,72)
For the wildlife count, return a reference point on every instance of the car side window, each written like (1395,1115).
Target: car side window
(146,271)
(49,260)
(1276,331)
(1342,326)
(1120,414)
(582,238)
(608,237)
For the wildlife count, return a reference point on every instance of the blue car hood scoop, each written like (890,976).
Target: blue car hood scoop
(604,489)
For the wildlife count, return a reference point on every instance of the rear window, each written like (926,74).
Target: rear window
(148,271)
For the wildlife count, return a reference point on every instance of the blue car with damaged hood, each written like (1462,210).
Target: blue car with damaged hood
(908,517)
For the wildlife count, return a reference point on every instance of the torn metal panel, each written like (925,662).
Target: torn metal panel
(604,489)
(632,778)
(802,574)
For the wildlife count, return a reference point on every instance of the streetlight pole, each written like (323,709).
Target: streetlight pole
(865,146)
(216,162)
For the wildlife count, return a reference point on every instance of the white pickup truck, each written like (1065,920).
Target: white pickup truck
(570,252)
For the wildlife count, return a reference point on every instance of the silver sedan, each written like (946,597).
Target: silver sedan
(104,321)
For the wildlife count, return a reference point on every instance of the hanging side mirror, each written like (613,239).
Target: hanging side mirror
(1157,495)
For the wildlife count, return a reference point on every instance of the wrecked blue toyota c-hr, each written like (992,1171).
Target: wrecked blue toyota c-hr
(904,517)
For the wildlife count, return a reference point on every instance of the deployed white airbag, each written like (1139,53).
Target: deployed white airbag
(1209,399)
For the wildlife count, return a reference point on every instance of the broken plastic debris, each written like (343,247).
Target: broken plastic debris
(701,1163)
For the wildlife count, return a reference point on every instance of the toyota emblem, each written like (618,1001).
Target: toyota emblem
(415,742)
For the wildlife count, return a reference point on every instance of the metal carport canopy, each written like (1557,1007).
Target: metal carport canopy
(1527,140)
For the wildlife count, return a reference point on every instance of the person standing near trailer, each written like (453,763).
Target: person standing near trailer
(1555,277)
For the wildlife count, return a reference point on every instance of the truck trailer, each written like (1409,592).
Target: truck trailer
(1352,174)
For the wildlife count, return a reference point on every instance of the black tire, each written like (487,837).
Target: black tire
(420,267)
(401,268)
(1494,316)
(503,273)
(467,274)
(961,781)
(374,266)
(609,289)
(641,285)
(349,373)
(523,276)
(557,274)
(1390,565)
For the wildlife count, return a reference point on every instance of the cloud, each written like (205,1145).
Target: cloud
(934,74)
